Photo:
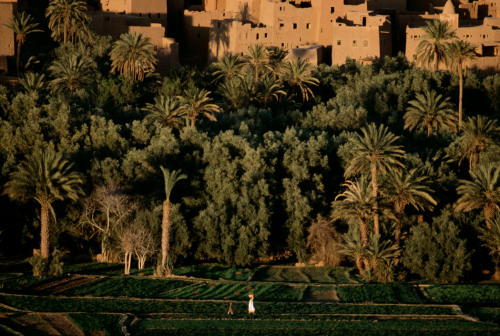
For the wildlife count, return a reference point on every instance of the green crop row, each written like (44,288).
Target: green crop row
(128,287)
(378,293)
(265,327)
(465,294)
(214,271)
(486,314)
(219,291)
(176,289)
(138,306)
(308,274)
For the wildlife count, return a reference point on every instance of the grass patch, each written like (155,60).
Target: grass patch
(465,294)
(308,274)
(377,293)
(93,323)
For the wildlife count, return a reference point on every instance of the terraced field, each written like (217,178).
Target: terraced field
(289,301)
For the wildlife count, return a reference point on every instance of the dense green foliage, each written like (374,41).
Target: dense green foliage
(267,145)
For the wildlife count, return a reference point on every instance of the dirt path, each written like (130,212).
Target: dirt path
(327,296)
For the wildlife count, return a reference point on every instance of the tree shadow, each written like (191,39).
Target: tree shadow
(219,34)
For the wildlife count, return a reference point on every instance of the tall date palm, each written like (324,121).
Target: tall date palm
(22,25)
(46,177)
(196,101)
(431,112)
(133,56)
(66,17)
(170,178)
(459,52)
(483,192)
(433,47)
(375,151)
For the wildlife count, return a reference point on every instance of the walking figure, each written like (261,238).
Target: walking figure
(230,310)
(251,308)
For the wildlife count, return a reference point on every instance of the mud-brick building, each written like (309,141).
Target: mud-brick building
(7,42)
(362,36)
(483,34)
(147,17)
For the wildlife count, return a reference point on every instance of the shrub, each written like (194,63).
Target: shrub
(436,251)
(323,242)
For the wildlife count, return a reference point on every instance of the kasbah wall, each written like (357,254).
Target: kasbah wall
(316,30)
(7,44)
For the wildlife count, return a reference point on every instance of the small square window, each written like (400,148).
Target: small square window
(282,25)
(294,26)
(265,35)
(332,10)
(308,25)
(257,36)
(339,42)
(354,43)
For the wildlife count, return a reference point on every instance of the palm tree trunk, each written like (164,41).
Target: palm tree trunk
(363,230)
(65,30)
(475,162)
(397,233)
(44,231)
(488,211)
(165,232)
(460,95)
(18,61)
(376,225)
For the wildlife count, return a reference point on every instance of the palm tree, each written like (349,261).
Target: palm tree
(256,59)
(355,203)
(483,192)
(228,67)
(232,91)
(381,253)
(354,248)
(374,151)
(170,178)
(459,52)
(479,133)
(33,83)
(269,89)
(133,56)
(430,111)
(297,74)
(165,111)
(21,24)
(275,59)
(72,72)
(65,17)
(405,188)
(196,101)
(433,47)
(46,177)
(491,238)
